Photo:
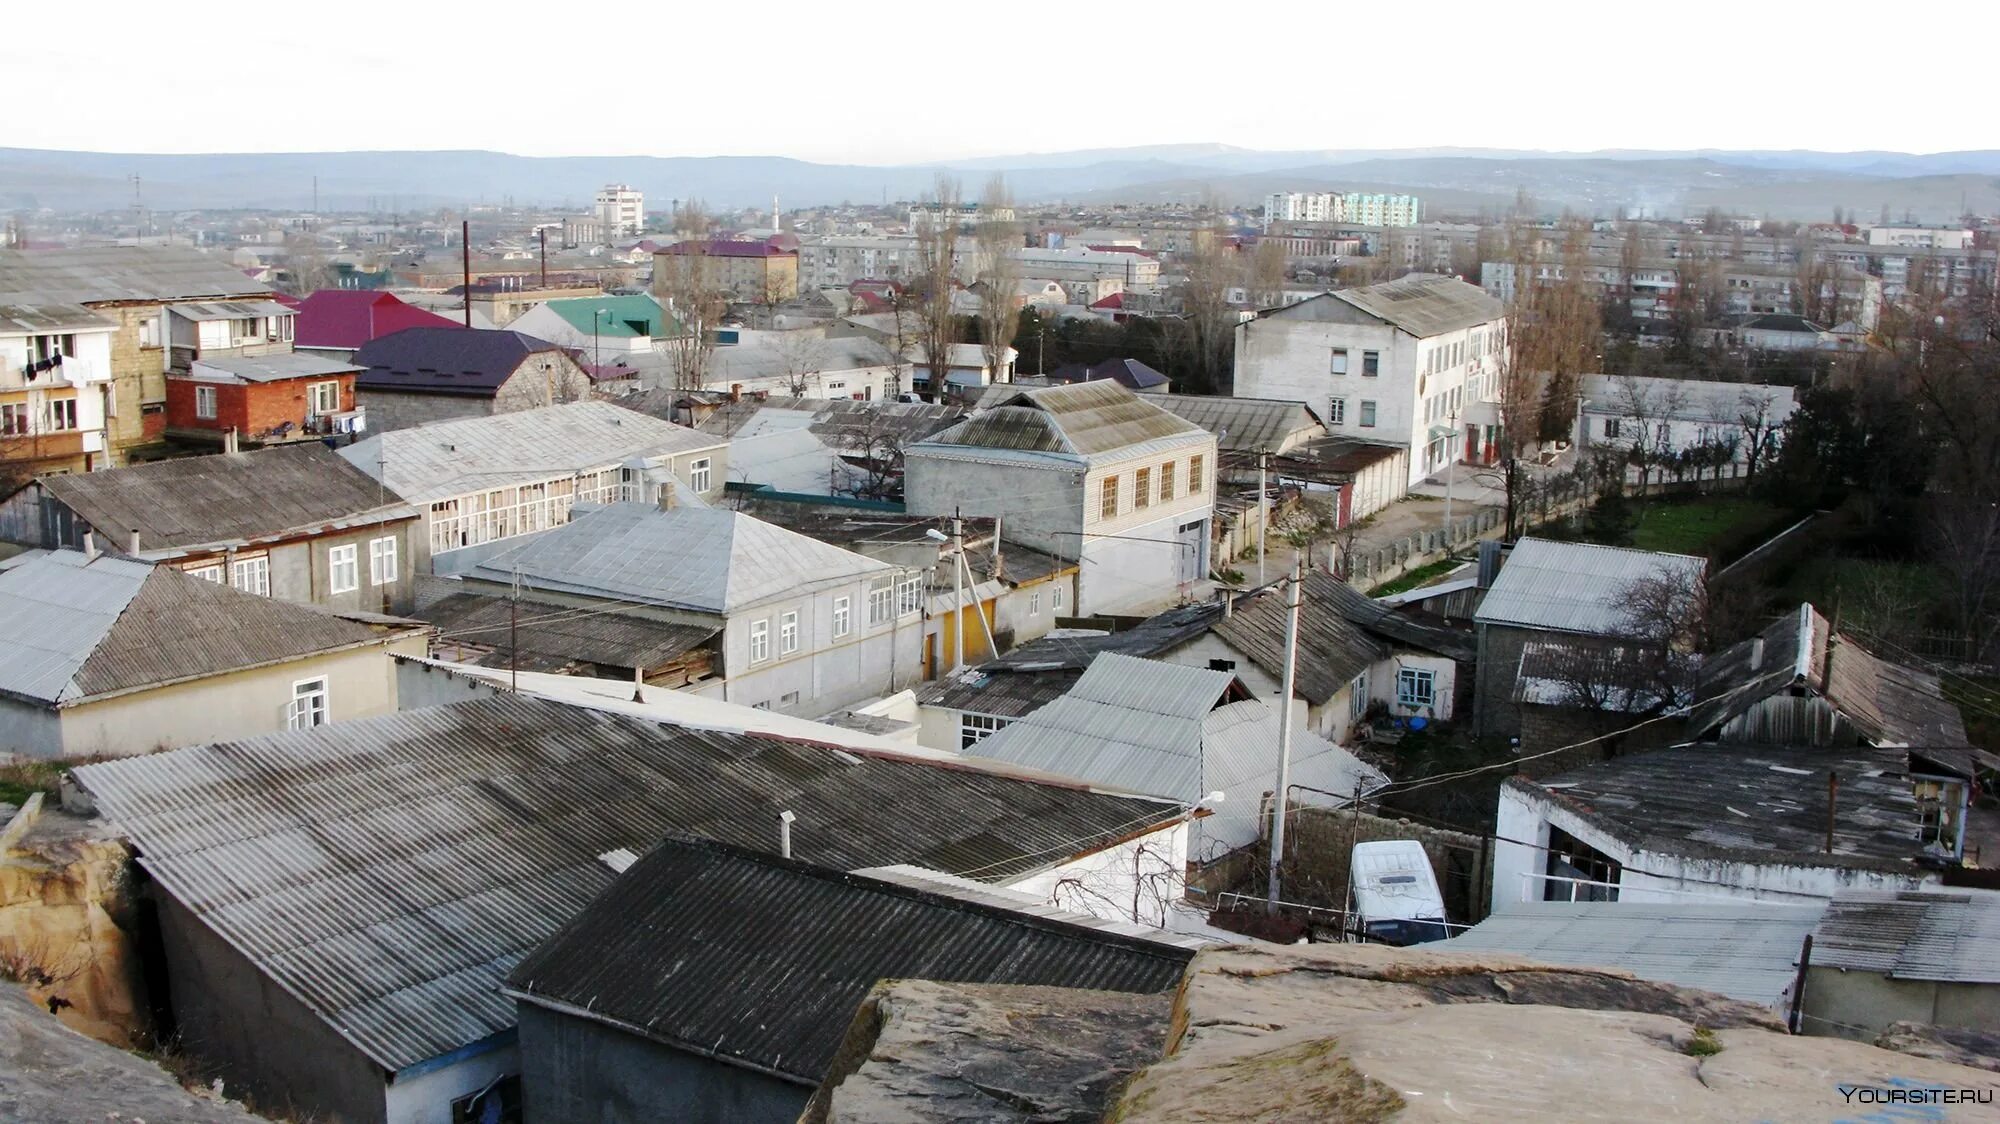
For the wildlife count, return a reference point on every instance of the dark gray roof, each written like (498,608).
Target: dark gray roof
(1422,305)
(226,498)
(390,872)
(1128,373)
(1952,937)
(561,633)
(1085,420)
(455,361)
(90,274)
(752,958)
(1398,627)
(1749,803)
(1332,649)
(44,317)
(1044,669)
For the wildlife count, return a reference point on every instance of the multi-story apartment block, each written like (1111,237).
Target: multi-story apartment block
(1415,363)
(1747,287)
(55,389)
(750,272)
(839,261)
(967,216)
(1359,207)
(621,211)
(1135,270)
(1910,235)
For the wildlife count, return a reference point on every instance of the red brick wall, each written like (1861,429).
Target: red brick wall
(251,409)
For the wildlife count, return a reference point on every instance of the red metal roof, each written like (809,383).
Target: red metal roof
(727,248)
(349,318)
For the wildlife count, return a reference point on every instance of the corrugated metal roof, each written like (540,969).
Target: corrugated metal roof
(28,319)
(1130,724)
(90,274)
(390,871)
(1575,587)
(78,627)
(1951,937)
(270,368)
(231,310)
(451,458)
(560,633)
(1597,676)
(1746,951)
(1092,420)
(1398,628)
(1044,669)
(1246,424)
(1241,745)
(711,560)
(1425,306)
(227,497)
(1332,649)
(758,959)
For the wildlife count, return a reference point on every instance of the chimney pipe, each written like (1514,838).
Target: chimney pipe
(1832,803)
(90,544)
(132,543)
(736,392)
(785,834)
(1756,653)
(667,499)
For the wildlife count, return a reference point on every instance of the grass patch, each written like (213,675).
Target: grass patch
(1429,571)
(1702,1044)
(1978,699)
(1696,526)
(19,781)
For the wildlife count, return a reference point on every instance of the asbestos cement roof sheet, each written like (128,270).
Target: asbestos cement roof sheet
(1246,424)
(1332,649)
(1425,306)
(93,274)
(758,959)
(1087,421)
(390,872)
(1946,936)
(1747,951)
(1576,587)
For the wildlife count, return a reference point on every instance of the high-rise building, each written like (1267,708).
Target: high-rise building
(1358,207)
(621,211)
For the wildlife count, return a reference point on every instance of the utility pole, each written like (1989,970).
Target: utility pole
(513,634)
(545,257)
(1294,599)
(1263,513)
(465,252)
(958,590)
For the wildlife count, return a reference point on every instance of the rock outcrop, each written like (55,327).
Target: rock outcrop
(65,910)
(51,1073)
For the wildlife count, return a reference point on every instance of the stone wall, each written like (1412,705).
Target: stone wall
(1321,843)
(1544,728)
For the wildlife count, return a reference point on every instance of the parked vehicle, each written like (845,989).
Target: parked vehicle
(1394,893)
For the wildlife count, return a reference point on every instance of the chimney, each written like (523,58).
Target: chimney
(785,834)
(90,544)
(667,499)
(736,392)
(1228,604)
(229,440)
(1756,653)
(132,543)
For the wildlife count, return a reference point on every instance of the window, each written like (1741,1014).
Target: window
(322,398)
(1339,360)
(1166,481)
(308,707)
(62,414)
(976,728)
(382,561)
(1142,488)
(1611,429)
(342,573)
(760,641)
(1578,872)
(212,572)
(1371,364)
(1357,695)
(789,698)
(881,600)
(1194,476)
(1336,412)
(1367,414)
(909,595)
(699,475)
(788,633)
(843,616)
(1056,596)
(1414,686)
(1107,508)
(13,419)
(252,575)
(204,401)
(1035,603)
(149,332)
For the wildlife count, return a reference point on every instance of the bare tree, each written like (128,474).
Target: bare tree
(1210,320)
(937,268)
(306,267)
(1757,421)
(801,356)
(1267,274)
(685,282)
(999,307)
(1647,409)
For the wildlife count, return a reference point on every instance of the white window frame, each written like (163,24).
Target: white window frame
(843,616)
(1408,680)
(343,571)
(976,728)
(1035,603)
(1057,594)
(700,474)
(1368,413)
(208,572)
(315,395)
(310,705)
(251,574)
(1357,689)
(909,594)
(881,601)
(1336,411)
(760,641)
(207,403)
(788,632)
(382,560)
(1339,365)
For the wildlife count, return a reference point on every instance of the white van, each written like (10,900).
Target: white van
(1394,895)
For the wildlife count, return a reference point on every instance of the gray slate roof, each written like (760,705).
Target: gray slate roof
(18,319)
(1422,305)
(1696,400)
(1761,804)
(1574,587)
(78,627)
(1044,669)
(1332,649)
(389,872)
(1746,950)
(271,368)
(1951,937)
(549,633)
(451,458)
(710,560)
(1086,421)
(226,498)
(89,274)
(721,950)
(1246,424)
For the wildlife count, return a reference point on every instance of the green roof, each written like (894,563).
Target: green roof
(624,317)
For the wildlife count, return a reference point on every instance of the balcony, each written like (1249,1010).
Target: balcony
(71,372)
(60,445)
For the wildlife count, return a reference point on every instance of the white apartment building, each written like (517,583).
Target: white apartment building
(1415,362)
(968,216)
(1358,207)
(1135,272)
(839,261)
(621,210)
(55,388)
(1747,287)
(1918,236)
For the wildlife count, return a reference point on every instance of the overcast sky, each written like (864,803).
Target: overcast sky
(897,82)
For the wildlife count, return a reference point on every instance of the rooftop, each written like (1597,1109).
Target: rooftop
(614,317)
(1576,587)
(1332,649)
(267,368)
(1086,421)
(1951,937)
(186,503)
(1043,669)
(450,458)
(1245,424)
(1697,400)
(448,360)
(348,318)
(707,946)
(390,872)
(1422,305)
(92,274)
(551,634)
(80,627)
(727,248)
(707,560)
(32,319)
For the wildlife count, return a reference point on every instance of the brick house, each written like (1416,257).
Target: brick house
(750,272)
(262,400)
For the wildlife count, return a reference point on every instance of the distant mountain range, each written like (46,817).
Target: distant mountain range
(1783,184)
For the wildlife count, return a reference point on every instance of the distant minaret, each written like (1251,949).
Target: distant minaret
(775,224)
